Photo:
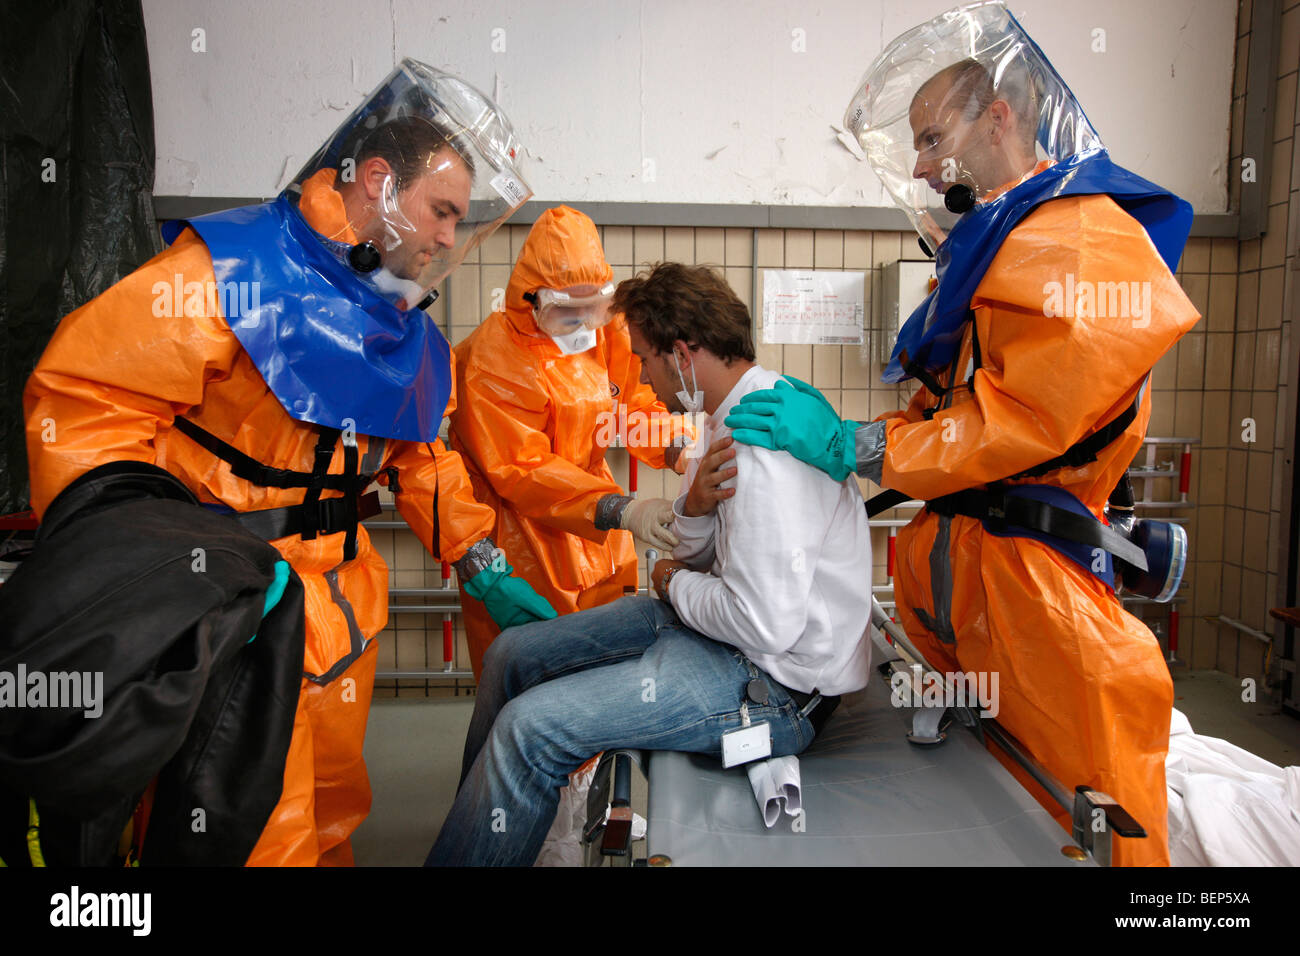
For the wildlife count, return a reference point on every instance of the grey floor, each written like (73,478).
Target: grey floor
(413,750)
(1213,704)
(413,753)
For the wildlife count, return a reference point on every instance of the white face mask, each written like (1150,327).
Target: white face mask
(577,342)
(397,289)
(692,401)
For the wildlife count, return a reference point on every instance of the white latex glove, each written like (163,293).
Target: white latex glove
(650,519)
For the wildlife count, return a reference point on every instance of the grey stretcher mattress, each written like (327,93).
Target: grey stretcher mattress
(870,798)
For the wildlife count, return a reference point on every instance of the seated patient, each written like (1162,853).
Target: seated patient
(766,604)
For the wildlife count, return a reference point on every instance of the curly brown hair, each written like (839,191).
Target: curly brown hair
(692,303)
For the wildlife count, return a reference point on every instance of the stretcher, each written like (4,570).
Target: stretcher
(882,785)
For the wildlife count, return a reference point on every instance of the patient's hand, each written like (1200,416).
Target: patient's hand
(661,568)
(675,458)
(705,492)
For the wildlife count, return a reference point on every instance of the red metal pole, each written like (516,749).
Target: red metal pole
(1185,472)
(448,638)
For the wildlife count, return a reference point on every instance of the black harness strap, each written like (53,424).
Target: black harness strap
(437,524)
(1076,456)
(350,463)
(999,511)
(332,516)
(1085,451)
(316,484)
(919,373)
(923,375)
(315,516)
(250,469)
(884,501)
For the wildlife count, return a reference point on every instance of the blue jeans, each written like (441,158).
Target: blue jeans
(554,693)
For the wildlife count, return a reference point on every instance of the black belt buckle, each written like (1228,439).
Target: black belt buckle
(330,514)
(335,515)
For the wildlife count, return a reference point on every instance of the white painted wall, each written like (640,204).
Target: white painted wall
(711,91)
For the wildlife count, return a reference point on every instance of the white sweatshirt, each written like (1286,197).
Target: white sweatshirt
(784,565)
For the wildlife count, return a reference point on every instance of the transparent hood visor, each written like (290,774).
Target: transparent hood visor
(425,170)
(957,110)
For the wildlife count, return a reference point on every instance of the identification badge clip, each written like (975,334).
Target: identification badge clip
(746,743)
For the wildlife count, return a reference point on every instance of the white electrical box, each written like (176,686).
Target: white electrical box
(905,284)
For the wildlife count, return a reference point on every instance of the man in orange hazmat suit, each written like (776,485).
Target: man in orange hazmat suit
(276,359)
(1055,300)
(543,388)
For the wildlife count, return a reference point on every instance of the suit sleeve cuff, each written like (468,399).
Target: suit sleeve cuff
(609,511)
(869,442)
(478,558)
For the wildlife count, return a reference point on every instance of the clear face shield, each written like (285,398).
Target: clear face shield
(426,170)
(959,109)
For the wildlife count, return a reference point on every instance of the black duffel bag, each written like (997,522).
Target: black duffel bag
(133,584)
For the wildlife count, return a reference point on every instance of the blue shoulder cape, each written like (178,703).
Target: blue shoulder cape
(932,334)
(331,349)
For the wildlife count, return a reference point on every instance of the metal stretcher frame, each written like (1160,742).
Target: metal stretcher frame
(870,795)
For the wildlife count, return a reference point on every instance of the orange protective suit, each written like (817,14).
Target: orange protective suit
(532,425)
(1083,684)
(108,387)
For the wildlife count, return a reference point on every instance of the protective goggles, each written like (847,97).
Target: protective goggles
(560,313)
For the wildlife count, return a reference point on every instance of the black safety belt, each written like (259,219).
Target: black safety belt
(1001,512)
(314,516)
(1081,453)
(993,505)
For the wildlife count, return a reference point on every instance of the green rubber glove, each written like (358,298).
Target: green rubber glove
(795,417)
(510,601)
(275,591)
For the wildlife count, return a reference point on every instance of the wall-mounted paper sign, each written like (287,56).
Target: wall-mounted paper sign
(807,307)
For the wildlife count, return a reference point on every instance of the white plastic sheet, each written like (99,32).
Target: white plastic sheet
(1227,806)
(563,845)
